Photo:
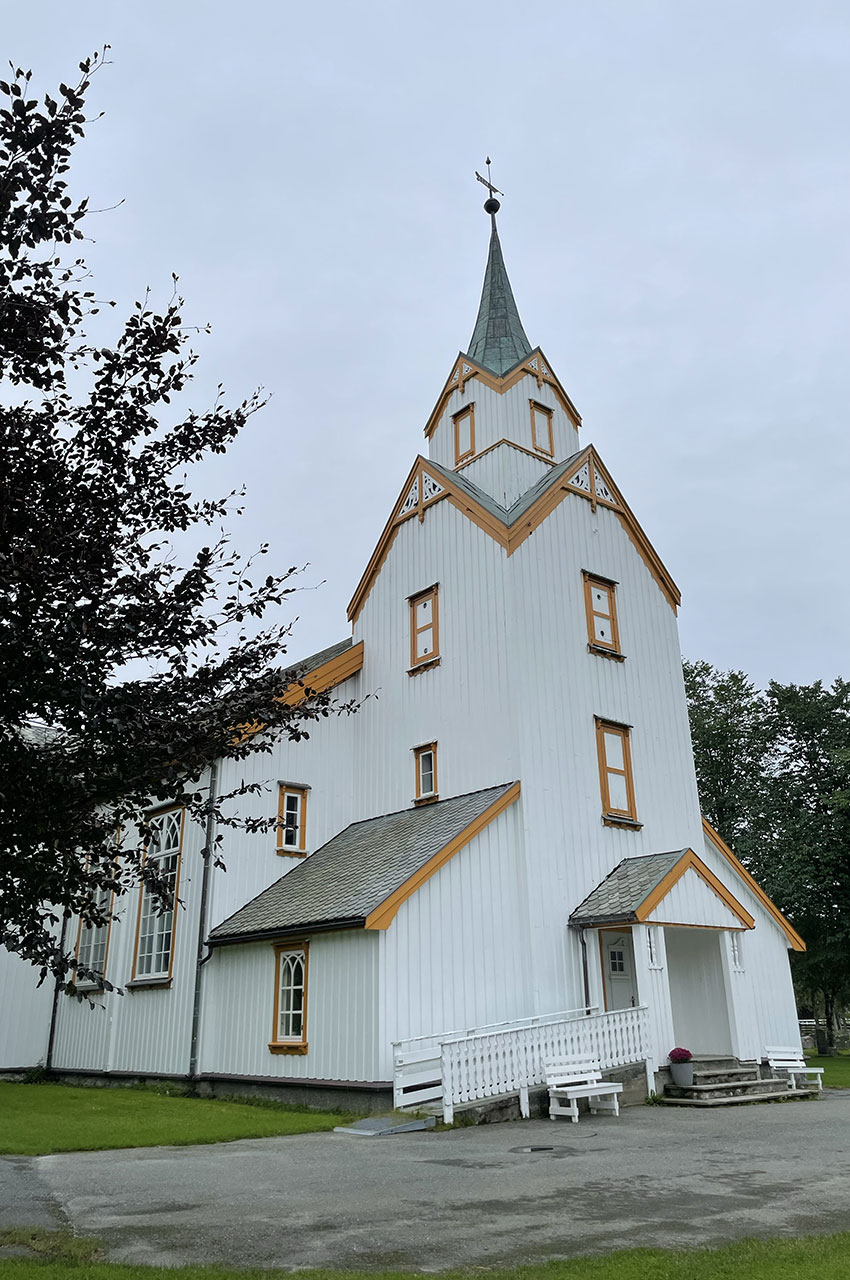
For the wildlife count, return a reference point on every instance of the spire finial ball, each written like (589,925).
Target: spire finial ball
(492,205)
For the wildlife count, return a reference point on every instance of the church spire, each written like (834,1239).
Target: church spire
(498,340)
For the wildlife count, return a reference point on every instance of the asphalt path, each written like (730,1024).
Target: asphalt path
(654,1177)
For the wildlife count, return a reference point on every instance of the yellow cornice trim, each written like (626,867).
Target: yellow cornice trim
(329,674)
(722,847)
(689,860)
(520,448)
(464,370)
(383,915)
(512,537)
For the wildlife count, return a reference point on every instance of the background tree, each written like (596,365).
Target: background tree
(122,673)
(773,770)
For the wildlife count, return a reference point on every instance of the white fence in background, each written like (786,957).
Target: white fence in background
(468,1066)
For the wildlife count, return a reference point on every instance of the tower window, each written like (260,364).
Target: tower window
(615,773)
(292,820)
(426,771)
(601,609)
(464,429)
(424,628)
(542,436)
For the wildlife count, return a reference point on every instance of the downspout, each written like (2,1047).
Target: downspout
(202,921)
(57,987)
(584,971)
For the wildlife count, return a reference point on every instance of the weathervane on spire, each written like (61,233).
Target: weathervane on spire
(491,204)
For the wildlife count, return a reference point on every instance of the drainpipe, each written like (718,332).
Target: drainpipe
(584,971)
(57,987)
(202,922)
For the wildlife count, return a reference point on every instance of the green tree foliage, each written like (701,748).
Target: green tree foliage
(773,771)
(122,672)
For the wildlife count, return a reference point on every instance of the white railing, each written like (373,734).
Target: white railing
(512,1061)
(509,1058)
(417,1074)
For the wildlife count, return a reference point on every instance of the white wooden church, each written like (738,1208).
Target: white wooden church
(501,853)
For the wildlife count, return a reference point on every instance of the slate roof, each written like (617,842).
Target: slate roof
(508,515)
(498,341)
(341,883)
(620,894)
(306,665)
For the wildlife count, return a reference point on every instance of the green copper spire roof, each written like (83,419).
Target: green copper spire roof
(498,340)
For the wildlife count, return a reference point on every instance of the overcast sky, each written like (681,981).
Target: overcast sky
(676,225)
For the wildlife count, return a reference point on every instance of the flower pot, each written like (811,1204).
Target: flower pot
(682,1073)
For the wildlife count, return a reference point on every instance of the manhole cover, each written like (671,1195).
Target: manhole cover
(528,1150)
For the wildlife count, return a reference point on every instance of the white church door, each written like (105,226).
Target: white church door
(618,968)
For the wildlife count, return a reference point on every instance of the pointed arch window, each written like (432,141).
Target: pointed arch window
(289,1030)
(155,927)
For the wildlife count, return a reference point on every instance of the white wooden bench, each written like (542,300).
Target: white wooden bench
(789,1060)
(569,1079)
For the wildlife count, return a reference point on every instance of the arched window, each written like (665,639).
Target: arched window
(290,1014)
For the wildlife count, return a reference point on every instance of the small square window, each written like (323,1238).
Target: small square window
(426,771)
(464,432)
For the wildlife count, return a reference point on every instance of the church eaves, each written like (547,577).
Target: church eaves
(498,340)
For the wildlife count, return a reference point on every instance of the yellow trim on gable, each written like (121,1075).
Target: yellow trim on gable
(383,915)
(687,861)
(722,847)
(511,538)
(464,370)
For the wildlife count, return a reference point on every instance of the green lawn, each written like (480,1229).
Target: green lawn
(37,1119)
(836,1071)
(804,1258)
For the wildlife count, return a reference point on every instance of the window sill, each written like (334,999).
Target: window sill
(291,853)
(614,820)
(142,984)
(424,666)
(420,800)
(287,1048)
(601,652)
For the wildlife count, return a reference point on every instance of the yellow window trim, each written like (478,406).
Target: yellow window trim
(622,731)
(418,753)
(592,580)
(457,419)
(299,849)
(535,407)
(511,538)
(433,626)
(383,915)
(289,1046)
(722,847)
(689,860)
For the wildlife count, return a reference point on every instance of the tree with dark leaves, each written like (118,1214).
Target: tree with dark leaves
(123,675)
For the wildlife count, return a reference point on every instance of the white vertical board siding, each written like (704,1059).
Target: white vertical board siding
(143,1030)
(464,703)
(701,1015)
(505,473)
(324,763)
(342,1011)
(457,954)
(503,417)
(558,688)
(654,991)
(763,1005)
(691,901)
(24,1013)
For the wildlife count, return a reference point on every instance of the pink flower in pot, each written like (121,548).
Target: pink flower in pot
(681,1067)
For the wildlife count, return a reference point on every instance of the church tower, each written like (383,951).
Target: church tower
(503,419)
